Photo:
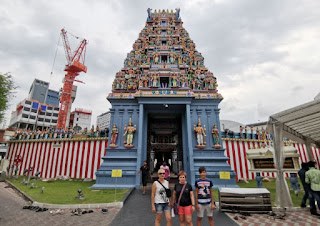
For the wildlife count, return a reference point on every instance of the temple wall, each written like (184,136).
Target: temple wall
(81,158)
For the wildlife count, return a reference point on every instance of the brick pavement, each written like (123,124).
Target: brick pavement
(11,213)
(296,218)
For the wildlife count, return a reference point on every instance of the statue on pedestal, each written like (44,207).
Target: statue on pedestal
(215,136)
(201,136)
(114,135)
(129,132)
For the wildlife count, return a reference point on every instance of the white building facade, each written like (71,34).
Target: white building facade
(81,117)
(31,114)
(103,120)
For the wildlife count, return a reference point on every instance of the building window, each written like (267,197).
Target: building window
(24,116)
(34,110)
(26,109)
(47,120)
(28,102)
(54,121)
(40,119)
(48,114)
(55,114)
(56,109)
(32,117)
(42,113)
(49,108)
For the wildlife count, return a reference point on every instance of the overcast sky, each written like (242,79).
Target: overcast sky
(265,54)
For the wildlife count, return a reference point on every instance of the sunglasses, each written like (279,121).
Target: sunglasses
(161,173)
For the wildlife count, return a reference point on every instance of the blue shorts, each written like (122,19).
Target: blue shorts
(160,207)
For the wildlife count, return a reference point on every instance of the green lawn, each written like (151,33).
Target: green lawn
(271,186)
(64,192)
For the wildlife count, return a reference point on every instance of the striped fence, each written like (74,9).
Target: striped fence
(76,159)
(81,158)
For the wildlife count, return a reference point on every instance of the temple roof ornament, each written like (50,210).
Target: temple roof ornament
(164,61)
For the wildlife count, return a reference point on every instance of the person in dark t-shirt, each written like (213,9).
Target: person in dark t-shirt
(145,172)
(186,204)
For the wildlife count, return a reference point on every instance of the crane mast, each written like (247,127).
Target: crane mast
(75,65)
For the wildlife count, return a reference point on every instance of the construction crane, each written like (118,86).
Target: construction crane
(75,65)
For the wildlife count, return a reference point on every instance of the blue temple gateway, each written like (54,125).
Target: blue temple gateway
(164,108)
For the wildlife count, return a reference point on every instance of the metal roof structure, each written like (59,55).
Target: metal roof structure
(302,121)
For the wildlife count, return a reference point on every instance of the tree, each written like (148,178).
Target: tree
(6,92)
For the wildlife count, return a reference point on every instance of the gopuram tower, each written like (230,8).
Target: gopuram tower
(164,108)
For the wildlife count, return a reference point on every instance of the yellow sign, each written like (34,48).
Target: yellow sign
(116,173)
(224,175)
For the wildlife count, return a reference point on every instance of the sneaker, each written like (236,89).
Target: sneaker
(303,206)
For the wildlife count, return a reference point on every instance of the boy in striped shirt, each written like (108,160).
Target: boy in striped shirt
(204,197)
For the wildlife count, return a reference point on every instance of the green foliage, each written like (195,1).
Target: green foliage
(64,192)
(6,92)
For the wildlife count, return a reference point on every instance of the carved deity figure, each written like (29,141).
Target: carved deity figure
(174,80)
(129,132)
(215,136)
(201,136)
(155,80)
(114,135)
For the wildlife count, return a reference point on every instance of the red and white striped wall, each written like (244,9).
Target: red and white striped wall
(236,150)
(76,159)
(81,159)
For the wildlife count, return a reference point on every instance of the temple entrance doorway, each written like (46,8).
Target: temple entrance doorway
(164,143)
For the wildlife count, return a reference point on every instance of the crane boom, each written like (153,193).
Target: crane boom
(73,68)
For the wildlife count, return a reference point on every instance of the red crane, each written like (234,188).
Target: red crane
(73,68)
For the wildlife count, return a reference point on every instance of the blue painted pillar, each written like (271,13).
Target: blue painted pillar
(190,147)
(140,145)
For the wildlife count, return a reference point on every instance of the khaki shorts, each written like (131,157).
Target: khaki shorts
(203,208)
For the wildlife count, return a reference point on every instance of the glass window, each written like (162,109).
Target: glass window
(55,114)
(26,109)
(40,119)
(32,117)
(54,121)
(42,113)
(48,114)
(24,116)
(34,110)
(28,102)
(49,108)
(47,120)
(56,109)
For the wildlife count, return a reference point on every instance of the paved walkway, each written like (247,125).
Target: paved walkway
(11,213)
(137,212)
(296,218)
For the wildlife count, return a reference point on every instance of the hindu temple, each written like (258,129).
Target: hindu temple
(164,108)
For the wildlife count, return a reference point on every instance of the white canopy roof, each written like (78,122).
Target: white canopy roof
(302,121)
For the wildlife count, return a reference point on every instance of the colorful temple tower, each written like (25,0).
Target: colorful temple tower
(164,108)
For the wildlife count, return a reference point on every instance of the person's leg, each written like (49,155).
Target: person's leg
(188,220)
(158,219)
(313,208)
(199,219)
(182,220)
(144,190)
(167,214)
(210,219)
(304,199)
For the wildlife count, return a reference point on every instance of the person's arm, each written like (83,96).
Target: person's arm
(153,193)
(196,199)
(307,180)
(192,201)
(173,198)
(139,171)
(212,200)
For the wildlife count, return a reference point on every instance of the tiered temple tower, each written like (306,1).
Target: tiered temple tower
(164,108)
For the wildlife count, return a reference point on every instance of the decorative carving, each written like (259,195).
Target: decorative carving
(200,134)
(129,133)
(114,135)
(215,136)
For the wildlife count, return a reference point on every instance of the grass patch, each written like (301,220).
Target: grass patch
(64,192)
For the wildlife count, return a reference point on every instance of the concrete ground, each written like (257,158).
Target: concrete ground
(137,211)
(11,213)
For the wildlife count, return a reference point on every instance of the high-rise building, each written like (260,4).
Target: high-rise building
(39,90)
(103,120)
(52,97)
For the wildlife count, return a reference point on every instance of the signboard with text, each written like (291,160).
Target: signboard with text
(224,175)
(116,173)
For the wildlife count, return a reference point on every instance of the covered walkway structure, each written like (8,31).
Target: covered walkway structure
(300,123)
